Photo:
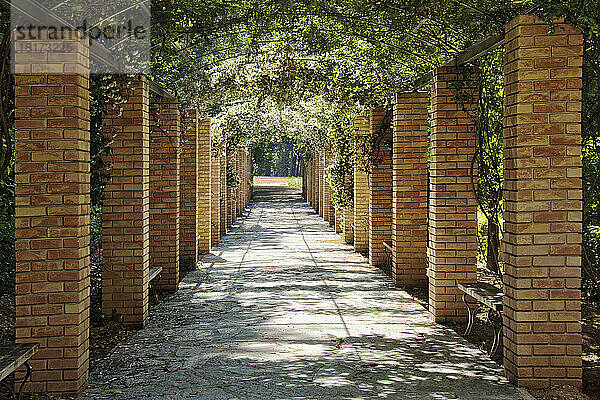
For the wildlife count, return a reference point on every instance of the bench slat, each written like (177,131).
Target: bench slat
(153,273)
(14,355)
(485,293)
(387,244)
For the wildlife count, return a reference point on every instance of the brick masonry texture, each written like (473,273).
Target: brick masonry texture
(238,201)
(315,181)
(543,204)
(321,173)
(126,209)
(164,190)
(312,183)
(230,193)
(348,222)
(223,193)
(452,206)
(204,187)
(189,194)
(52,175)
(409,208)
(215,210)
(326,195)
(380,195)
(361,195)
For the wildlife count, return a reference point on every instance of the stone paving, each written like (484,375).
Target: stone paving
(282,310)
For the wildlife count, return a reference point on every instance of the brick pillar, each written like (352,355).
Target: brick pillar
(543,204)
(338,217)
(304,193)
(326,197)
(215,206)
(307,184)
(52,154)
(361,195)
(249,181)
(164,190)
(348,221)
(452,209)
(126,209)
(223,194)
(238,190)
(321,172)
(318,188)
(380,196)
(332,210)
(316,183)
(204,186)
(409,220)
(229,197)
(313,182)
(188,197)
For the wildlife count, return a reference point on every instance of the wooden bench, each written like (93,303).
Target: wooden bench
(489,296)
(154,275)
(387,244)
(11,358)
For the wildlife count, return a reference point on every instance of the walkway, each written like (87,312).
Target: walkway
(282,310)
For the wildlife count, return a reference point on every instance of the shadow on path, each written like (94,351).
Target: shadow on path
(281,309)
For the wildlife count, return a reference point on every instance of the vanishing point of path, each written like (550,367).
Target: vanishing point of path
(282,310)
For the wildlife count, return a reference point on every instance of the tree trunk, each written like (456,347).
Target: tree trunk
(493,246)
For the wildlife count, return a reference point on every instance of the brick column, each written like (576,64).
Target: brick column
(229,197)
(361,195)
(321,172)
(409,221)
(338,217)
(223,194)
(52,154)
(126,209)
(189,195)
(240,171)
(215,206)
(332,210)
(164,190)
(543,204)
(308,173)
(326,197)
(315,182)
(380,195)
(348,221)
(304,193)
(452,209)
(204,186)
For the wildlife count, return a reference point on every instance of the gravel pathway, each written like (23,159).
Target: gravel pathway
(281,309)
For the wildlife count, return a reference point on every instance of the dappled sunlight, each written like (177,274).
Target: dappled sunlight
(281,311)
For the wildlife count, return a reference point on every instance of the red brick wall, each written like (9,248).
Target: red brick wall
(164,190)
(409,225)
(361,195)
(52,215)
(126,209)
(204,186)
(543,204)
(380,196)
(189,196)
(452,248)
